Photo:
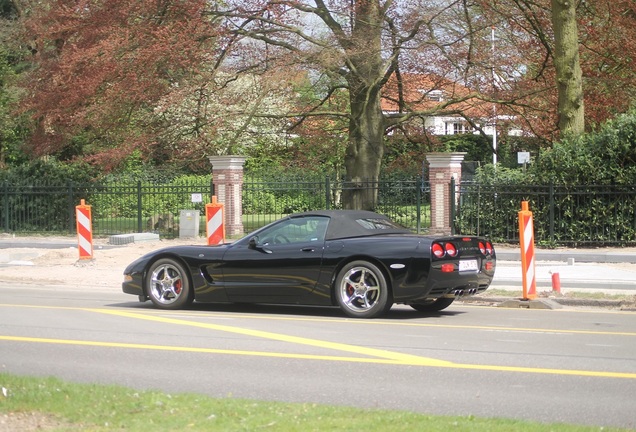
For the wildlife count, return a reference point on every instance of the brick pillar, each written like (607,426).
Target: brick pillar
(227,176)
(441,168)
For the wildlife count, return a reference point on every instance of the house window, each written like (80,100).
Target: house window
(456,127)
(435,95)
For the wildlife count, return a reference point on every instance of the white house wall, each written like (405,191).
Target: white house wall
(436,125)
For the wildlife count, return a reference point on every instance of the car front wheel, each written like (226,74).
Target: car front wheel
(362,290)
(167,284)
(433,305)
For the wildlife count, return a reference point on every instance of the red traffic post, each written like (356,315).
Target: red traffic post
(215,227)
(556,283)
(526,240)
(84,230)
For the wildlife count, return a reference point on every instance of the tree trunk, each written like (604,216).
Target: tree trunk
(365,150)
(366,125)
(568,69)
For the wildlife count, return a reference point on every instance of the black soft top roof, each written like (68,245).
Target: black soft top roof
(355,223)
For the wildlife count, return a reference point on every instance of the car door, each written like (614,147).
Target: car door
(281,265)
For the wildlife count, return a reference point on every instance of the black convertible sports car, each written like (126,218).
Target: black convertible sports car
(358,260)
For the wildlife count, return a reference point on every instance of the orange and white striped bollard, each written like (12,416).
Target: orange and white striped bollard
(526,240)
(215,227)
(84,230)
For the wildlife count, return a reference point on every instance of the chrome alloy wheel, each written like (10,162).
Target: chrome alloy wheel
(362,290)
(167,283)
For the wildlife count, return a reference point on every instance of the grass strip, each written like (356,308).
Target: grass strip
(57,405)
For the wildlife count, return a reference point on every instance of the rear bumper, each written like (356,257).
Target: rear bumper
(442,284)
(435,283)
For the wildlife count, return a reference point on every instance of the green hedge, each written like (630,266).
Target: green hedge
(589,187)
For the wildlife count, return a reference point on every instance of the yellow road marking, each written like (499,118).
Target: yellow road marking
(354,321)
(398,357)
(198,350)
(382,356)
(407,361)
(386,323)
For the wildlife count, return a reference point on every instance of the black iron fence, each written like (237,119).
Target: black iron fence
(405,200)
(116,208)
(585,215)
(121,208)
(581,216)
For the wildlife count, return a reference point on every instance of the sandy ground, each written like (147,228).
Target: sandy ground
(63,266)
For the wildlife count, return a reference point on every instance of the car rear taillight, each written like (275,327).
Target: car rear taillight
(486,248)
(438,250)
(489,248)
(441,250)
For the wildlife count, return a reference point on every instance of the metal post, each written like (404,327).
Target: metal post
(451,221)
(71,208)
(551,200)
(494,105)
(479,209)
(139,212)
(212,180)
(419,186)
(5,200)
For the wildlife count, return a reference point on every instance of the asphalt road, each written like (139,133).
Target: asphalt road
(565,365)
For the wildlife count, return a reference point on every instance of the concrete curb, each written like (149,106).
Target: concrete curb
(530,304)
(579,285)
(583,256)
(543,303)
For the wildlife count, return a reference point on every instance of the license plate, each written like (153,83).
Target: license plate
(468,265)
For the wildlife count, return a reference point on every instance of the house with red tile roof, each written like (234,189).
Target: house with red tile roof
(442,106)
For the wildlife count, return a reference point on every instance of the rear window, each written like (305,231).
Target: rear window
(378,224)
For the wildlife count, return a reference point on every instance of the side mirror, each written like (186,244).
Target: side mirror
(253,243)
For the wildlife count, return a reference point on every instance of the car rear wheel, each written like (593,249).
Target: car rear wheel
(433,305)
(167,284)
(362,290)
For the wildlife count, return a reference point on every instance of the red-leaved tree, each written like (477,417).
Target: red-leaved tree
(102,68)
